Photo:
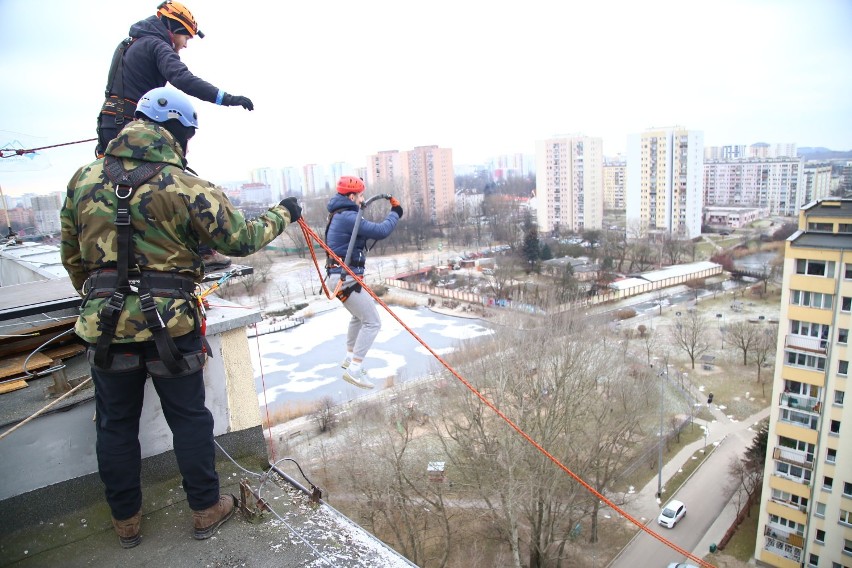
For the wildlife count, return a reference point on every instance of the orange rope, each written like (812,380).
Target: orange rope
(308,232)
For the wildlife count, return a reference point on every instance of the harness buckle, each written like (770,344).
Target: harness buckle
(116,301)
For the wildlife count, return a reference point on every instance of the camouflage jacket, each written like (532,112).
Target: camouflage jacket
(171,214)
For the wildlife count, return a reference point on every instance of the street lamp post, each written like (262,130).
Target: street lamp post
(663,373)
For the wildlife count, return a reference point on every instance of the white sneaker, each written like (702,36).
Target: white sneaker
(358,378)
(345,363)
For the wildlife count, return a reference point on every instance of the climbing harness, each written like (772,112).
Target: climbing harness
(116,285)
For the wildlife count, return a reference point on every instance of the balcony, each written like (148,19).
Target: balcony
(800,402)
(804,343)
(794,457)
(783,543)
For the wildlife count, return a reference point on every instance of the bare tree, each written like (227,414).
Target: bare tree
(324,416)
(690,334)
(746,472)
(763,352)
(744,336)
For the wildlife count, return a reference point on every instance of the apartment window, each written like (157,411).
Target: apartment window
(821,227)
(813,560)
(809,328)
(798,418)
(845,304)
(807,360)
(834,427)
(811,299)
(842,335)
(846,517)
(847,547)
(844,228)
(842,367)
(820,510)
(815,267)
(838,397)
(831,455)
(847,489)
(820,536)
(847,271)
(793,472)
(827,483)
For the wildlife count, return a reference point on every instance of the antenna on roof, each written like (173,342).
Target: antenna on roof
(11,236)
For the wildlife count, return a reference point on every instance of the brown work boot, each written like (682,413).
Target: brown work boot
(215,260)
(210,519)
(128,530)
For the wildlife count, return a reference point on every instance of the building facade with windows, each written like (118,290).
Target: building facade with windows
(806,506)
(614,174)
(569,184)
(774,183)
(665,169)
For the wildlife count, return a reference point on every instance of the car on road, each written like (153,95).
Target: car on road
(672,513)
(681,565)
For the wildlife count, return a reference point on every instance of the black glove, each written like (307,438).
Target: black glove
(292,206)
(237,100)
(398,210)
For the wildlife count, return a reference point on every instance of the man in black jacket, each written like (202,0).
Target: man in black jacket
(148,59)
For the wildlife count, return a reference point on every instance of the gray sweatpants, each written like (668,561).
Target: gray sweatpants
(365,323)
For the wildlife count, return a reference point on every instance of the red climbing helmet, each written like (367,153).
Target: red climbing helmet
(350,184)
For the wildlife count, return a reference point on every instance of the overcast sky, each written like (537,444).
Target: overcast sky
(338,80)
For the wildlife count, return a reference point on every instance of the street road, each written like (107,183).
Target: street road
(705,495)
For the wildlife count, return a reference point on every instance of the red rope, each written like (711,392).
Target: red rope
(308,232)
(265,403)
(9,152)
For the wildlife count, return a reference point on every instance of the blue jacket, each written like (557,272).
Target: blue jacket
(151,61)
(340,229)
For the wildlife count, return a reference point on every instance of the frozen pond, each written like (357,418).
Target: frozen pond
(303,364)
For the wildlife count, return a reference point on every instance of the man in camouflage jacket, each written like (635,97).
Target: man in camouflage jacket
(171,214)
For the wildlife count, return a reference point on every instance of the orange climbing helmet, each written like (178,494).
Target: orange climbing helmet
(179,13)
(350,184)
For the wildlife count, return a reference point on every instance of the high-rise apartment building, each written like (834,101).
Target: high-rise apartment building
(422,179)
(774,183)
(816,182)
(46,213)
(730,152)
(569,184)
(665,169)
(806,505)
(432,182)
(387,172)
(272,178)
(614,174)
(315,182)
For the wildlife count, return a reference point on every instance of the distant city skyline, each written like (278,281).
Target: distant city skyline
(337,82)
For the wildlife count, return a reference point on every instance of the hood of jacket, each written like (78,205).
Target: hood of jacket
(341,202)
(151,26)
(148,142)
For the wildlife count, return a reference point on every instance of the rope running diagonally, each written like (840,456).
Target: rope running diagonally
(11,152)
(309,234)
